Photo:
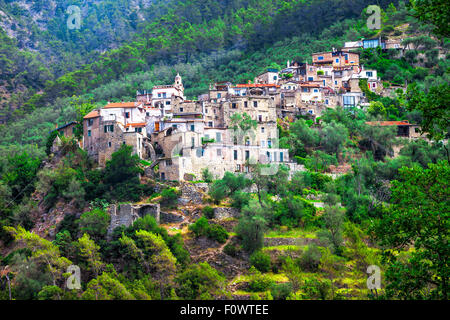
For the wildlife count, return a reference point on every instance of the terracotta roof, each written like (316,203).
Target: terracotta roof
(256,85)
(310,85)
(122,105)
(138,124)
(389,123)
(92,114)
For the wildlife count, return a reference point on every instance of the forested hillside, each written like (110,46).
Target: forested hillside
(307,235)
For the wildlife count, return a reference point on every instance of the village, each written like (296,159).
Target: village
(182,137)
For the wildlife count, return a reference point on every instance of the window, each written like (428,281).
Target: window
(90,122)
(269,158)
(337,60)
(139,130)
(167,103)
(210,124)
(263,143)
(159,95)
(219,152)
(281,156)
(324,83)
(109,128)
(369,73)
(192,142)
(255,104)
(335,83)
(326,101)
(269,143)
(310,78)
(374,85)
(181,109)
(247,141)
(349,101)
(235,154)
(245,104)
(262,129)
(218,137)
(109,144)
(168,162)
(274,77)
(219,95)
(247,155)
(233,105)
(89,133)
(127,115)
(320,58)
(238,168)
(163,176)
(192,127)
(147,114)
(164,95)
(174,126)
(316,90)
(260,118)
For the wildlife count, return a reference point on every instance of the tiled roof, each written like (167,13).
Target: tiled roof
(92,114)
(137,124)
(256,85)
(122,105)
(388,123)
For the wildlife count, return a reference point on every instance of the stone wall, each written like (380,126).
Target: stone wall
(126,214)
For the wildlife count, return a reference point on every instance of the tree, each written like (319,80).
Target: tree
(44,253)
(95,223)
(106,287)
(90,252)
(200,281)
(434,107)
(251,229)
(419,217)
(334,222)
(435,12)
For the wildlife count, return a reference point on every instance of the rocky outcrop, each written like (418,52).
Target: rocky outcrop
(192,193)
(273,242)
(225,212)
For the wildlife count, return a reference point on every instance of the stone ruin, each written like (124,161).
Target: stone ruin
(125,214)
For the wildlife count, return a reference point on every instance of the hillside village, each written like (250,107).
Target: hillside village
(217,150)
(183,137)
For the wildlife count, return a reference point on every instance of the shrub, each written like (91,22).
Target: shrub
(169,196)
(95,223)
(310,259)
(258,281)
(200,227)
(208,212)
(207,175)
(218,233)
(231,250)
(261,261)
(281,291)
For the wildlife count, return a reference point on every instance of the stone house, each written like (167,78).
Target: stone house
(105,130)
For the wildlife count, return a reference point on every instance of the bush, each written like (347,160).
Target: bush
(200,227)
(207,175)
(95,223)
(169,197)
(214,231)
(261,261)
(310,259)
(258,281)
(281,291)
(218,233)
(208,212)
(231,250)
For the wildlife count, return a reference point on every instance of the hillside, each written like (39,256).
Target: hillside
(357,186)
